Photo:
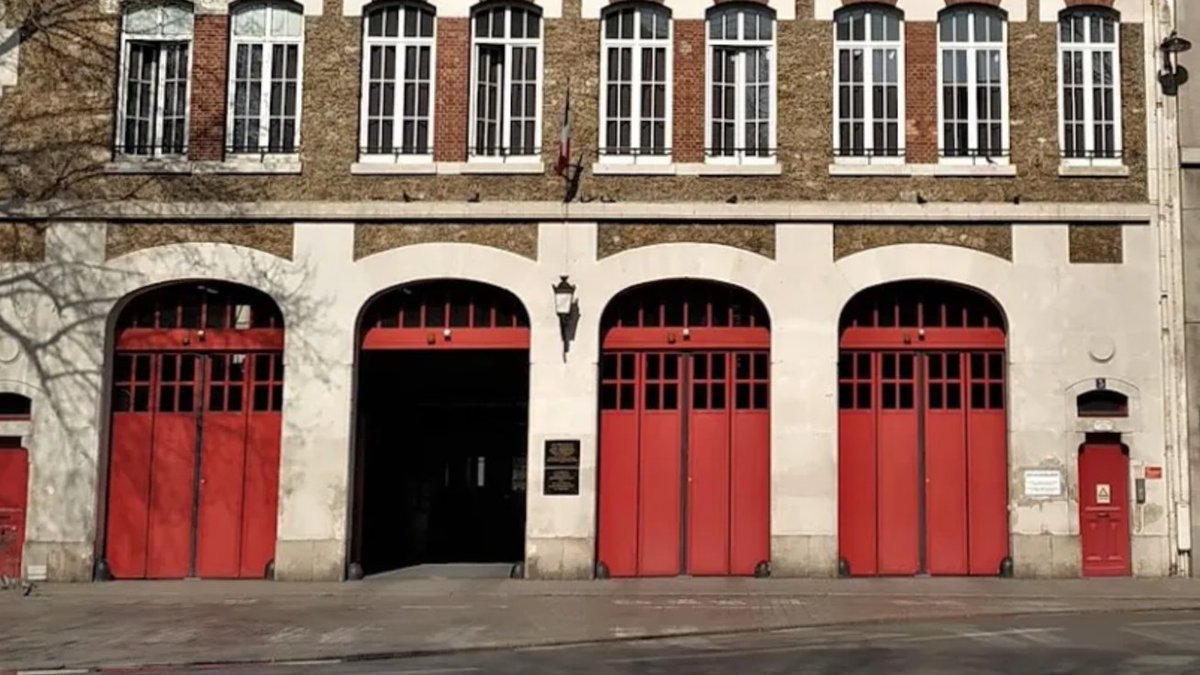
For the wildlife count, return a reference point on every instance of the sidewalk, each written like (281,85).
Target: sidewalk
(139,623)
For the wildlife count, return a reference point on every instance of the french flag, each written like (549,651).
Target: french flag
(564,141)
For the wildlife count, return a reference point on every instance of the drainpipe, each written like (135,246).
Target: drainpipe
(1165,188)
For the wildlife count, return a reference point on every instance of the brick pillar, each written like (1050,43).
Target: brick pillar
(921,92)
(688,123)
(210,52)
(453,90)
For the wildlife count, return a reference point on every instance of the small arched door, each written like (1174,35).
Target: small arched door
(922,452)
(197,395)
(684,432)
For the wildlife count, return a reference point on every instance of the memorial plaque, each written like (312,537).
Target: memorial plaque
(562,468)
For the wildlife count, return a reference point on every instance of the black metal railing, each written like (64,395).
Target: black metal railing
(1093,155)
(394,152)
(741,153)
(870,154)
(988,155)
(262,152)
(150,151)
(635,153)
(500,153)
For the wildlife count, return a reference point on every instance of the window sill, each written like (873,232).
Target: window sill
(915,170)
(708,169)
(1068,170)
(531,167)
(275,166)
(633,169)
(393,169)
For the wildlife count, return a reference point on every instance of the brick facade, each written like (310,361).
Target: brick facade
(921,100)
(82,101)
(210,56)
(688,95)
(452,99)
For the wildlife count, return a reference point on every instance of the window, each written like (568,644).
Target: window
(1102,403)
(972,65)
(264,78)
(868,105)
(635,100)
(156,42)
(741,79)
(397,116)
(1090,97)
(506,93)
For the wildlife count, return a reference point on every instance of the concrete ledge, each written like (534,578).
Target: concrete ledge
(1047,556)
(1127,213)
(648,169)
(1093,171)
(499,168)
(813,556)
(718,169)
(310,560)
(270,166)
(393,168)
(914,170)
(60,560)
(559,558)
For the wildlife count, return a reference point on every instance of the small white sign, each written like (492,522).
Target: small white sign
(1043,483)
(1103,493)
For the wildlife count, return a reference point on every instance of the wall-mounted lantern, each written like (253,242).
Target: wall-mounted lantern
(1173,75)
(564,306)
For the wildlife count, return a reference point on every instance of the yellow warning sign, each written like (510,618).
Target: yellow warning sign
(1103,493)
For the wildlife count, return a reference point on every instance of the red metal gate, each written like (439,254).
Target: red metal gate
(14,487)
(684,432)
(194,458)
(1104,507)
(923,468)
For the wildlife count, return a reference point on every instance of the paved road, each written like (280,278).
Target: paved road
(1140,643)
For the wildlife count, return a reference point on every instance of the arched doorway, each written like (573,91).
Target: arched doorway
(684,454)
(923,460)
(441,428)
(197,395)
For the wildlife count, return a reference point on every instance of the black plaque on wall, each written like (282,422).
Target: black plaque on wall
(562,468)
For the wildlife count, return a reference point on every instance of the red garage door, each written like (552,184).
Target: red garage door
(923,470)
(194,468)
(684,432)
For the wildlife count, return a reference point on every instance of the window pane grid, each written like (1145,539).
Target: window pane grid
(867,103)
(741,83)
(635,45)
(973,100)
(506,108)
(265,79)
(1089,86)
(398,81)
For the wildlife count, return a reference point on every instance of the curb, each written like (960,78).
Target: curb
(367,657)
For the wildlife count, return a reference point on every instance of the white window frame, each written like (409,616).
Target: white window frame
(508,44)
(740,156)
(268,42)
(400,42)
(160,36)
(637,44)
(868,46)
(972,47)
(1090,48)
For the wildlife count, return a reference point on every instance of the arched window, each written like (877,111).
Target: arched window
(741,79)
(1102,403)
(398,62)
(973,71)
(635,101)
(156,45)
(869,64)
(1089,74)
(265,57)
(506,87)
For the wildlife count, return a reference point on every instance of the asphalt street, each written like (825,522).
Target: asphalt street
(1141,643)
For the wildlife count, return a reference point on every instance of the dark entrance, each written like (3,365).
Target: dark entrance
(442,428)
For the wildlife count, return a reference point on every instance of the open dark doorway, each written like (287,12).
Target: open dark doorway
(442,437)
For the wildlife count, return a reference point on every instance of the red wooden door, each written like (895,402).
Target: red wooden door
(1104,509)
(684,470)
(923,470)
(14,488)
(193,474)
